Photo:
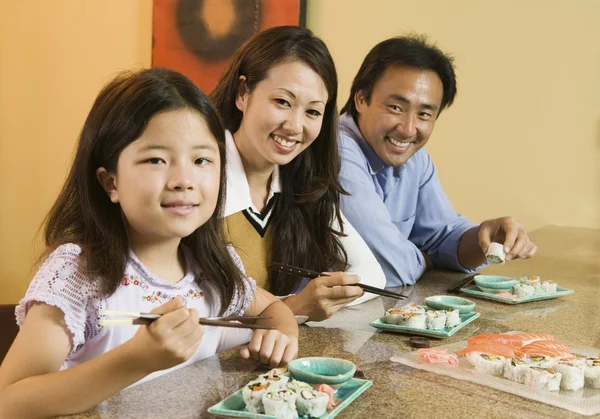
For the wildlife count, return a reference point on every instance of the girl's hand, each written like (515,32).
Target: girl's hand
(170,340)
(325,295)
(271,347)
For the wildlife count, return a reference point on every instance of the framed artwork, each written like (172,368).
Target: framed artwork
(199,37)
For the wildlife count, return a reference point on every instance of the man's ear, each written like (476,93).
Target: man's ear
(360,101)
(241,98)
(108,181)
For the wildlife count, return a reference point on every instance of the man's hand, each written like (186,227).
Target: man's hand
(510,233)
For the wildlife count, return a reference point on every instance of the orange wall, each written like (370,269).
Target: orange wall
(54,57)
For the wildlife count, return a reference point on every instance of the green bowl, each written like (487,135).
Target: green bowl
(494,284)
(444,302)
(317,370)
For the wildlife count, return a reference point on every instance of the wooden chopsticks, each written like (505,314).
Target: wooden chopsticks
(312,274)
(147,318)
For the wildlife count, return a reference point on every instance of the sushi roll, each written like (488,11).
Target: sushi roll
(487,364)
(276,378)
(530,280)
(311,403)
(252,394)
(280,403)
(524,290)
(573,374)
(543,379)
(414,308)
(435,319)
(416,320)
(516,368)
(544,361)
(548,287)
(393,315)
(495,253)
(452,317)
(592,372)
(298,386)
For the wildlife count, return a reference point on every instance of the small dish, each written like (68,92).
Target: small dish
(444,302)
(494,284)
(475,292)
(318,370)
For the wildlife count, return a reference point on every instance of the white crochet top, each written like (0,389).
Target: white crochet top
(61,282)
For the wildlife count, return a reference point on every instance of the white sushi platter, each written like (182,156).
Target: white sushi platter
(585,401)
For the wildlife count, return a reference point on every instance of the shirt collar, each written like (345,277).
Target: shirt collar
(238,196)
(349,127)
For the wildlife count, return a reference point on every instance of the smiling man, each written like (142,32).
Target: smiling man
(396,201)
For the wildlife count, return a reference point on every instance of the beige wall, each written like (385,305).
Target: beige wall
(54,58)
(523,137)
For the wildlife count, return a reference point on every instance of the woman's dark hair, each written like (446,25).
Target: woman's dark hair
(411,51)
(83,213)
(310,197)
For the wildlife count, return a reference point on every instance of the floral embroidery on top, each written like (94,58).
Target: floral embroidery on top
(134,280)
(161,297)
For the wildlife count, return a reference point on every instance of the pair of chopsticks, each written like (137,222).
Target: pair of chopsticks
(463,283)
(280,267)
(147,318)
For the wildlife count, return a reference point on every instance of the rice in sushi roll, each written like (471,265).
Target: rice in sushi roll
(495,253)
(392,316)
(252,394)
(311,403)
(592,372)
(524,290)
(543,379)
(435,319)
(416,320)
(487,364)
(573,374)
(414,308)
(544,361)
(452,317)
(276,378)
(548,287)
(530,280)
(280,403)
(516,368)
(297,386)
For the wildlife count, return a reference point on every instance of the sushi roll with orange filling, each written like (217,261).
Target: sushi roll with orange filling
(280,403)
(543,379)
(573,374)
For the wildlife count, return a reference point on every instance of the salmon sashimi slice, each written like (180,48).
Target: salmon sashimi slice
(528,338)
(546,344)
(490,348)
(509,340)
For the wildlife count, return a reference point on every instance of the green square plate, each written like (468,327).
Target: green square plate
(234,405)
(476,292)
(441,333)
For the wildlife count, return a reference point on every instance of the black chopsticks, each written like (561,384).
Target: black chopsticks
(463,283)
(147,318)
(312,274)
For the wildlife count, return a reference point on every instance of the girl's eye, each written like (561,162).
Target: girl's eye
(314,112)
(282,102)
(202,161)
(155,160)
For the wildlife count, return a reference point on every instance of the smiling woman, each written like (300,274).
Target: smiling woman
(278,102)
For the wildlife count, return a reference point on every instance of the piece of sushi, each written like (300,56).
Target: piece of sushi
(414,308)
(252,394)
(435,319)
(592,372)
(548,287)
(280,403)
(392,316)
(530,280)
(276,378)
(311,403)
(516,368)
(415,320)
(495,253)
(573,374)
(452,317)
(297,386)
(524,290)
(487,364)
(543,379)
(544,361)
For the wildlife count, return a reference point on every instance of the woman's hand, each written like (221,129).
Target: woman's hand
(271,347)
(171,339)
(325,295)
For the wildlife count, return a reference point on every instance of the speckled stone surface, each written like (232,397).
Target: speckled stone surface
(569,256)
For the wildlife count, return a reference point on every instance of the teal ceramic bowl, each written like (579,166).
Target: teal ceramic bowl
(444,302)
(494,284)
(317,370)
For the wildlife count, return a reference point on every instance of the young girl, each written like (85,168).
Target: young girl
(278,102)
(136,227)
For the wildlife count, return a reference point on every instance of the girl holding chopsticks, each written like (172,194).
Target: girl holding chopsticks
(136,227)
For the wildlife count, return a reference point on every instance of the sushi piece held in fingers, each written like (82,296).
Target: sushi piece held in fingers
(592,372)
(280,403)
(495,253)
(573,374)
(452,317)
(543,379)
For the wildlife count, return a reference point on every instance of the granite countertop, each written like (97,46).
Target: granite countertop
(569,256)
